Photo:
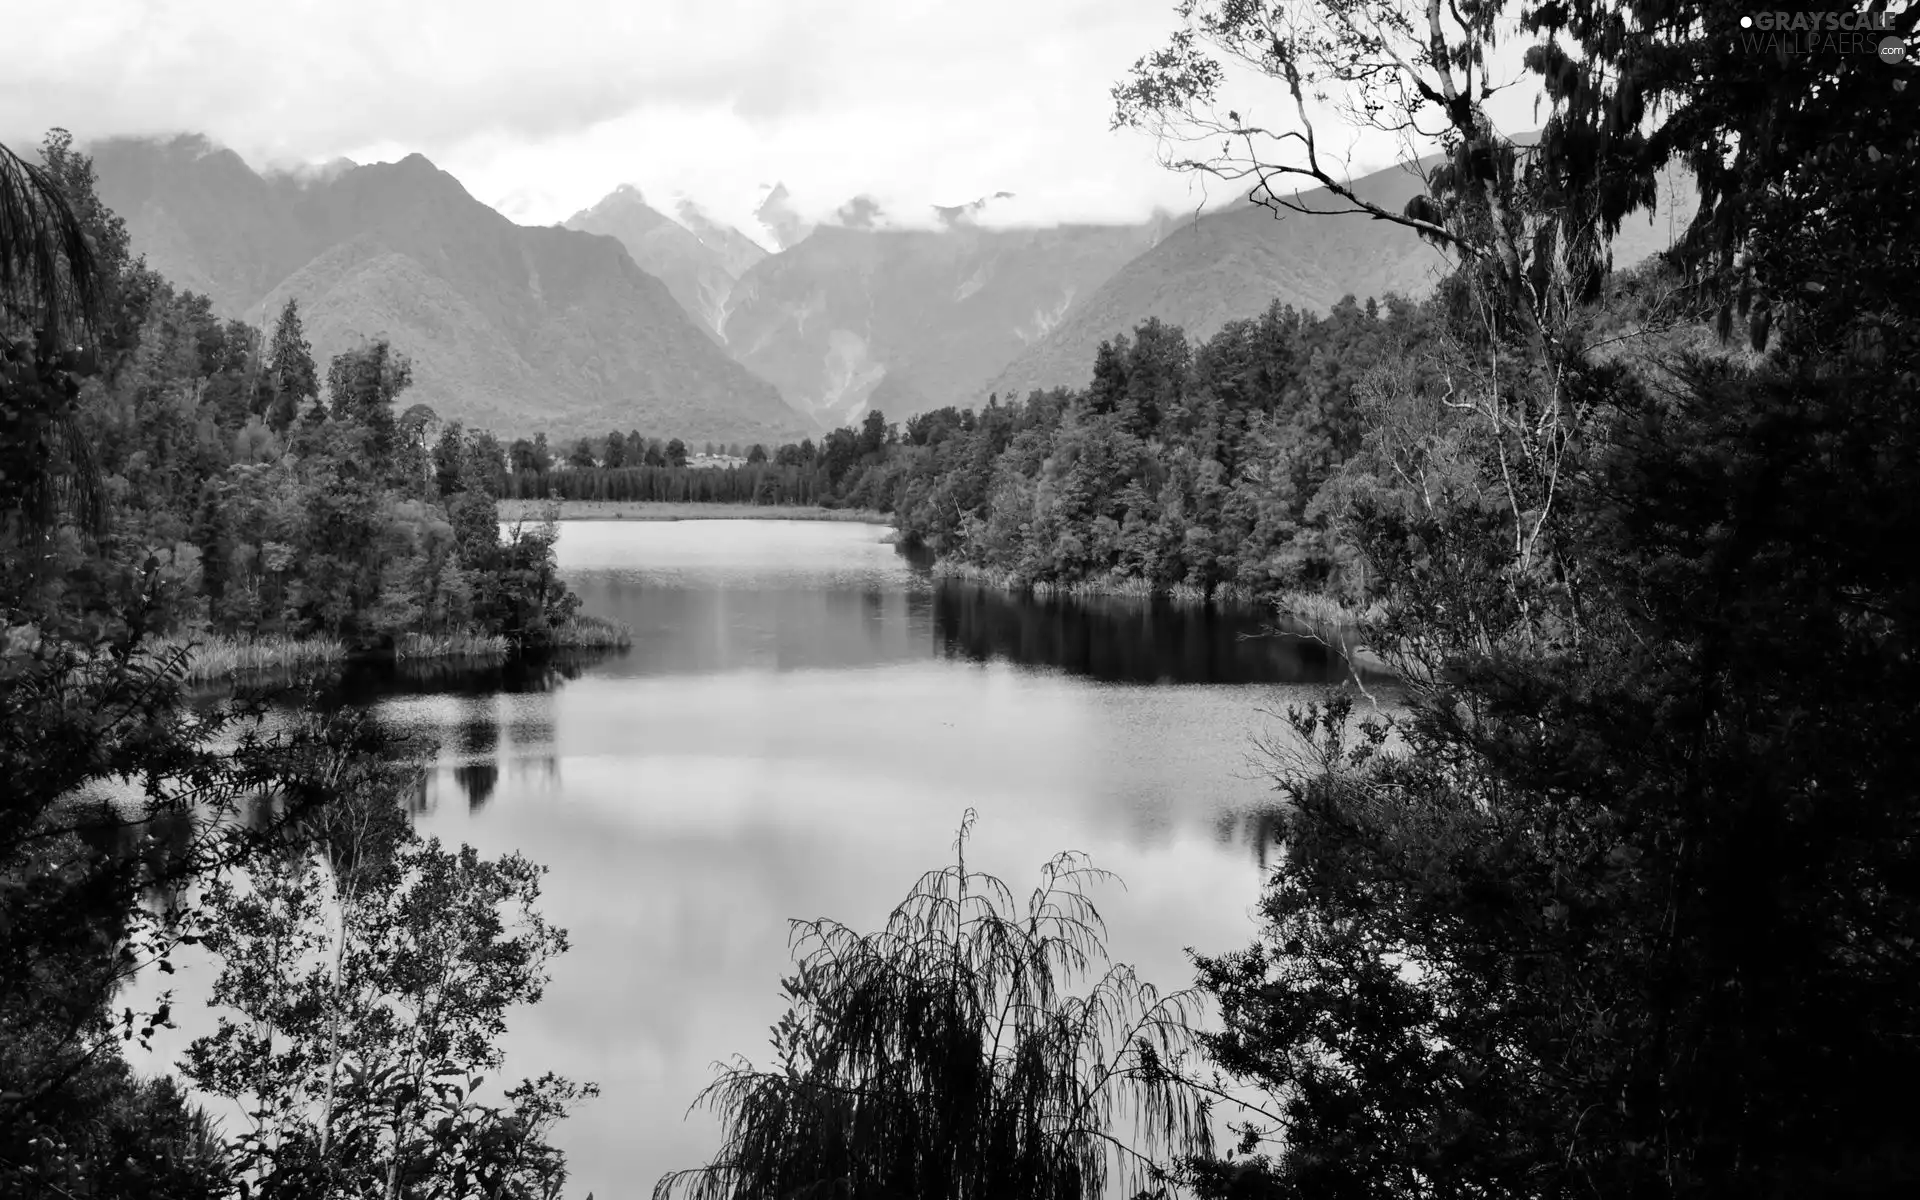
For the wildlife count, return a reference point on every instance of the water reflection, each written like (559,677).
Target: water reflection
(801,720)
(683,626)
(477,743)
(1255,829)
(1126,640)
(477,780)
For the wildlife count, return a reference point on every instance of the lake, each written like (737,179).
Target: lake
(800,723)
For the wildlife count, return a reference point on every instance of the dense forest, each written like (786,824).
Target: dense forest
(1621,900)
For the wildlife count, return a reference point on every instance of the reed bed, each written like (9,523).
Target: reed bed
(585,632)
(216,657)
(476,647)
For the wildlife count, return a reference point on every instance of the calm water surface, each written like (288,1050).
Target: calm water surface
(799,725)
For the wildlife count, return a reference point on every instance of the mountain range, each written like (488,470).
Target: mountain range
(681,325)
(510,327)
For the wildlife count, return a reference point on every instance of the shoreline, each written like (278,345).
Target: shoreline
(665,510)
(1332,623)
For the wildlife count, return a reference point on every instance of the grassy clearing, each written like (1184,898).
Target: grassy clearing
(629,510)
(212,657)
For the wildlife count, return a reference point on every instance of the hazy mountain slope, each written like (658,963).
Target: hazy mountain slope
(737,251)
(695,273)
(916,318)
(1229,264)
(1235,262)
(513,327)
(203,217)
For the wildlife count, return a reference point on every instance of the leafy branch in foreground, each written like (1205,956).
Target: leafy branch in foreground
(946,1056)
(366,976)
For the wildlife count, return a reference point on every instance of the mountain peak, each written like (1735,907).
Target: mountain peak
(781,219)
(956,214)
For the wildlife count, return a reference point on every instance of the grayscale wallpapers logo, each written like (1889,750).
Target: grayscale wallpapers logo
(1795,33)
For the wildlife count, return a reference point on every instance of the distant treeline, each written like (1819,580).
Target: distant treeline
(861,467)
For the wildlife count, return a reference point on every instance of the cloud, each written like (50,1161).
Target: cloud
(541,109)
(861,212)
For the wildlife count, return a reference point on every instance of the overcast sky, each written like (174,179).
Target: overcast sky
(542,108)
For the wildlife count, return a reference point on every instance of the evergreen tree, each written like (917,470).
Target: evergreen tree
(291,375)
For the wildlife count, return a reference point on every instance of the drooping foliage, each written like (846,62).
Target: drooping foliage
(952,1053)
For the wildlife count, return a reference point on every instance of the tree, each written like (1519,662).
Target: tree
(290,371)
(1591,918)
(582,454)
(450,460)
(1530,254)
(757,455)
(676,453)
(616,450)
(362,385)
(367,975)
(873,432)
(1637,85)
(944,1056)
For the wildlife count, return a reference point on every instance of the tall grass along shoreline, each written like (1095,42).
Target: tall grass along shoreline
(218,658)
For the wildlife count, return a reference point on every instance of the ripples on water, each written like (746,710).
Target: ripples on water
(795,732)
